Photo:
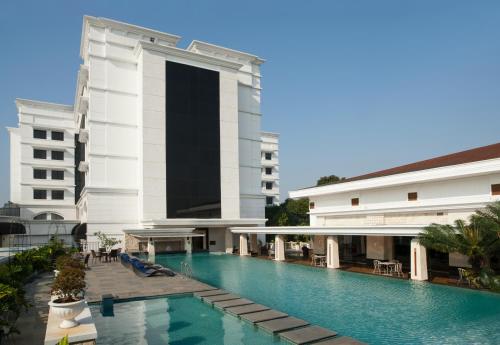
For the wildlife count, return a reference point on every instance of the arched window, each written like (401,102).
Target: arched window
(48,216)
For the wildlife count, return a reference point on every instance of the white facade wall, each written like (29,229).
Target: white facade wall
(270,146)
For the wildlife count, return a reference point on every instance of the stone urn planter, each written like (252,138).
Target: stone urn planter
(67,312)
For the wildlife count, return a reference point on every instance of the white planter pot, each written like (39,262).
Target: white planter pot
(67,312)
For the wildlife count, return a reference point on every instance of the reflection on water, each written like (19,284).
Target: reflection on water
(174,320)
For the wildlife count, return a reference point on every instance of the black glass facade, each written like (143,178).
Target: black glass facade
(192,142)
(79,175)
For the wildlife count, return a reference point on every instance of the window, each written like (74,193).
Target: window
(39,134)
(495,189)
(40,174)
(311,205)
(268,156)
(58,174)
(413,196)
(57,155)
(269,185)
(39,194)
(269,171)
(269,200)
(57,195)
(41,216)
(57,135)
(39,154)
(56,216)
(355,202)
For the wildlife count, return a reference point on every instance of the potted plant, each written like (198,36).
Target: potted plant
(68,287)
(105,241)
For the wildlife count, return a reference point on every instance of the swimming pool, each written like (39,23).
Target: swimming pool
(377,310)
(174,320)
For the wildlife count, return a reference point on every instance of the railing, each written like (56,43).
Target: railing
(186,270)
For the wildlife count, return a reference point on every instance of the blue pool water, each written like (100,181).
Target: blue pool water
(174,320)
(377,310)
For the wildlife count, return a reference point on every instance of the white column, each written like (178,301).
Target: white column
(332,252)
(254,244)
(229,241)
(279,248)
(151,249)
(418,261)
(188,245)
(243,244)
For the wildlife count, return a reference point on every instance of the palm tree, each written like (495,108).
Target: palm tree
(479,239)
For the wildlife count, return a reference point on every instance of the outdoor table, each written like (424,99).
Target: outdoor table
(387,265)
(318,260)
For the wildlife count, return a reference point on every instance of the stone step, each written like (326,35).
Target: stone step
(307,335)
(263,316)
(210,293)
(232,303)
(245,309)
(283,324)
(340,341)
(217,298)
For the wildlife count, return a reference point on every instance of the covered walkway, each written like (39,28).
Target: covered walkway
(326,239)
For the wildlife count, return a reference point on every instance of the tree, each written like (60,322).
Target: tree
(289,213)
(324,180)
(478,239)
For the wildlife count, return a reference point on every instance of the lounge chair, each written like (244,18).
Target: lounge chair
(95,256)
(147,271)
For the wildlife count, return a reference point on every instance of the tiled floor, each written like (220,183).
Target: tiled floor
(113,278)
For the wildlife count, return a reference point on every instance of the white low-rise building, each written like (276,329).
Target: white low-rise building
(162,143)
(377,216)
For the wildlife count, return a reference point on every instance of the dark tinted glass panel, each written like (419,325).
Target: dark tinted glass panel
(57,195)
(58,155)
(269,171)
(58,174)
(192,142)
(39,134)
(269,156)
(40,154)
(39,173)
(79,175)
(269,185)
(269,200)
(39,194)
(57,136)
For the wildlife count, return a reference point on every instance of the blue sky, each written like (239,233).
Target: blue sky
(352,86)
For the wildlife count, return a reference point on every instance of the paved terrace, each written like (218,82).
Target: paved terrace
(115,279)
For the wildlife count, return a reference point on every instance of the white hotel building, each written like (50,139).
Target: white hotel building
(379,215)
(162,143)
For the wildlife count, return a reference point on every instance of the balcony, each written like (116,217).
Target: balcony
(271,177)
(273,191)
(269,162)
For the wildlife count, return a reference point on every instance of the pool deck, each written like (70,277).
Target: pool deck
(115,279)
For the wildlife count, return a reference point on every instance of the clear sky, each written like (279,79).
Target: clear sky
(352,86)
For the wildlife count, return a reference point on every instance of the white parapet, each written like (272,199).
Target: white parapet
(279,248)
(332,252)
(418,261)
(243,244)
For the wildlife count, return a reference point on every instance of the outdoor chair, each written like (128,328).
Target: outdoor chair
(376,267)
(86,261)
(113,255)
(95,256)
(462,277)
(398,269)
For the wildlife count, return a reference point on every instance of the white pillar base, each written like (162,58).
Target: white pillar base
(243,245)
(332,252)
(279,248)
(188,245)
(418,261)
(229,241)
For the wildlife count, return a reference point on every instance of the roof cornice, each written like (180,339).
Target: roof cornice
(106,22)
(43,105)
(223,50)
(421,176)
(177,52)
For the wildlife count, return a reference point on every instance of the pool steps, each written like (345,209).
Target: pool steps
(290,329)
